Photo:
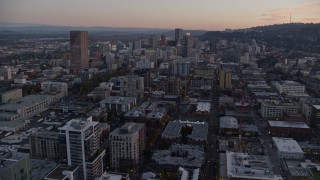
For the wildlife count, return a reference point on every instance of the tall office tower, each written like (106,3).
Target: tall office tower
(127,144)
(178,35)
(153,41)
(163,40)
(83,147)
(137,44)
(79,49)
(225,79)
(187,43)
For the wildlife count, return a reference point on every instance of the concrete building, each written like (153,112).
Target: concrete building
(198,131)
(229,125)
(119,104)
(27,106)
(306,106)
(127,145)
(179,155)
(15,165)
(187,45)
(288,148)
(289,87)
(315,116)
(276,109)
(225,79)
(129,86)
(55,87)
(178,35)
(144,64)
(151,113)
(79,49)
(186,174)
(5,73)
(181,67)
(244,166)
(83,147)
(11,95)
(298,130)
(47,145)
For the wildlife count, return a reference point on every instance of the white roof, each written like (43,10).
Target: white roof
(317,107)
(228,122)
(287,145)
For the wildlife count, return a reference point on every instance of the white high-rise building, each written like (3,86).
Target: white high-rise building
(289,87)
(83,147)
(127,144)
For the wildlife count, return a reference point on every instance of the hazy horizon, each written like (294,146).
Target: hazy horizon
(165,14)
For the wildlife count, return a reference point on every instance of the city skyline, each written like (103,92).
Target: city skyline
(207,15)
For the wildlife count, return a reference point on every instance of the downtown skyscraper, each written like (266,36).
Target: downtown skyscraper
(79,50)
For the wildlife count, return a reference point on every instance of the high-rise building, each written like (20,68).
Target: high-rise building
(47,145)
(153,41)
(127,144)
(225,79)
(181,67)
(79,49)
(187,43)
(163,40)
(5,73)
(178,35)
(83,147)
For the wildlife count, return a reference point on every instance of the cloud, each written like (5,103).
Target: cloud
(311,20)
(282,14)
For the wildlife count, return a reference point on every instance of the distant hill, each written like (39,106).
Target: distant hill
(293,36)
(34,29)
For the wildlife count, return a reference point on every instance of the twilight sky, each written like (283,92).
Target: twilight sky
(187,14)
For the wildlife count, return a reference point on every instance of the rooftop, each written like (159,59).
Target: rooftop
(23,102)
(244,166)
(228,122)
(199,129)
(287,145)
(127,129)
(181,155)
(289,124)
(118,100)
(57,173)
(79,124)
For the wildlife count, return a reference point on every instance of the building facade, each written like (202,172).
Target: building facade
(15,165)
(83,147)
(11,95)
(275,110)
(127,145)
(79,49)
(47,145)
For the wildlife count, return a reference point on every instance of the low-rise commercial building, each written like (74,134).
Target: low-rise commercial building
(289,129)
(195,132)
(244,166)
(288,148)
(276,109)
(179,155)
(119,104)
(10,95)
(27,106)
